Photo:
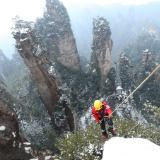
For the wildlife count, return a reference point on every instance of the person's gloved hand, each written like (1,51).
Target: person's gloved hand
(110,116)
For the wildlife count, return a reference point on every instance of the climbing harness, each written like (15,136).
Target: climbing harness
(137,88)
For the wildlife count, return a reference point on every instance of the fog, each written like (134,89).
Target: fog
(29,10)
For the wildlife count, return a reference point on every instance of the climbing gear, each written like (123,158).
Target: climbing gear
(137,88)
(105,136)
(100,121)
(110,116)
(98,105)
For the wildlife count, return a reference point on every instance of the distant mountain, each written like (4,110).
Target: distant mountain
(5,68)
(81,19)
(126,22)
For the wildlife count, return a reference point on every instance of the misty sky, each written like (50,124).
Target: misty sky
(102,2)
(31,9)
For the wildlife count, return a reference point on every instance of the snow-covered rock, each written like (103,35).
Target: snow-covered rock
(130,149)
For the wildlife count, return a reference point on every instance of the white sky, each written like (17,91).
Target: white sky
(30,9)
(102,2)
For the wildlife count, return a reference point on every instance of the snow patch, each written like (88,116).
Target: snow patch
(14,135)
(48,157)
(87,119)
(51,71)
(39,51)
(25,39)
(130,149)
(24,30)
(2,128)
(14,144)
(19,145)
(27,149)
(27,143)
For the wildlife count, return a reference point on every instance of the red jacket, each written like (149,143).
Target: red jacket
(96,114)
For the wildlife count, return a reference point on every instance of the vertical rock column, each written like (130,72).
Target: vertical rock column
(60,39)
(50,41)
(101,48)
(36,59)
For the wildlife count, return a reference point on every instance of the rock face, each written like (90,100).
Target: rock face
(150,90)
(47,87)
(41,47)
(101,48)
(12,145)
(125,72)
(144,58)
(59,36)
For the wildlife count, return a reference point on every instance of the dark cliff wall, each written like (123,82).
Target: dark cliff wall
(143,55)
(101,48)
(40,54)
(12,145)
(56,35)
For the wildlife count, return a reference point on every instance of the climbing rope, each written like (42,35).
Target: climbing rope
(137,88)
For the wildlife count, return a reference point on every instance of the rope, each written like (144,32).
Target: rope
(137,88)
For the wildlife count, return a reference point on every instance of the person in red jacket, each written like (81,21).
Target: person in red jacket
(103,113)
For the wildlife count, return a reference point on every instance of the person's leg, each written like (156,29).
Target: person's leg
(110,123)
(110,129)
(103,128)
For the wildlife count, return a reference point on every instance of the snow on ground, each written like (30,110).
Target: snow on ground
(2,128)
(130,149)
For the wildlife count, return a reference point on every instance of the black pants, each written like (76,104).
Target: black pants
(103,127)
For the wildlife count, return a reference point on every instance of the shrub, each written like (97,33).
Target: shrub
(86,144)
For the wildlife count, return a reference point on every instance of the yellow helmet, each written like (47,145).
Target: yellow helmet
(98,105)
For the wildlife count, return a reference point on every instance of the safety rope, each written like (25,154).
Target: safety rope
(137,88)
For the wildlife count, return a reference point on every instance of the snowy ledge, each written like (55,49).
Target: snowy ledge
(130,149)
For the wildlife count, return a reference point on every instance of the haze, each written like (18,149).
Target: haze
(31,9)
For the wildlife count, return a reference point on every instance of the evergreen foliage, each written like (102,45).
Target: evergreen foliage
(81,145)
(153,111)
(86,144)
(20,24)
(83,86)
(110,85)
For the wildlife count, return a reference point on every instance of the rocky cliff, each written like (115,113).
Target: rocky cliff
(150,90)
(56,34)
(40,53)
(12,144)
(101,48)
(125,73)
(143,55)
